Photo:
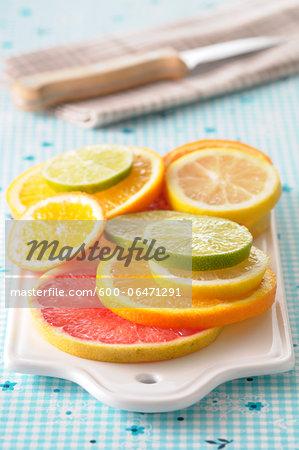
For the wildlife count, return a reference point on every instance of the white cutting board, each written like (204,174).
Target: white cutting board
(258,346)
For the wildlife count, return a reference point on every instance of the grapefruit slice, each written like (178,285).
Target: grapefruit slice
(97,333)
(134,193)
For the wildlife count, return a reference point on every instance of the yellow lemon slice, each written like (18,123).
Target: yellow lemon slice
(223,182)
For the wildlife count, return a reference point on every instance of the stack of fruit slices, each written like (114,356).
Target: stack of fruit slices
(230,280)
(123,179)
(212,178)
(137,327)
(215,177)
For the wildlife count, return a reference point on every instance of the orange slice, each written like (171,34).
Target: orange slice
(223,182)
(55,226)
(134,193)
(135,303)
(176,153)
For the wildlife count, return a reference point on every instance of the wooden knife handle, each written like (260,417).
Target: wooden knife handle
(40,91)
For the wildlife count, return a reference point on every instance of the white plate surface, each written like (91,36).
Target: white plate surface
(258,346)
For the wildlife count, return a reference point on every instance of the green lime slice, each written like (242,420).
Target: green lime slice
(122,230)
(89,169)
(209,242)
(192,242)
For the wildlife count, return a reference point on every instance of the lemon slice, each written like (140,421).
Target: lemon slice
(223,182)
(223,283)
(174,310)
(89,169)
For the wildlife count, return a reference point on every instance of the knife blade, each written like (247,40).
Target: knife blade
(47,89)
(192,58)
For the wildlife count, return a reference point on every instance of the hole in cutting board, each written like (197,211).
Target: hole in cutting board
(147,378)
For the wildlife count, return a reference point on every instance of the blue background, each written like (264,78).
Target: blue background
(253,412)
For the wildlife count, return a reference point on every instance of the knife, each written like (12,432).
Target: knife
(40,91)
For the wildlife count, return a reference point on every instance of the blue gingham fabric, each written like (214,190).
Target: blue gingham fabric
(250,413)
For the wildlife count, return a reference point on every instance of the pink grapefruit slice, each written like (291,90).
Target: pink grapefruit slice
(96,333)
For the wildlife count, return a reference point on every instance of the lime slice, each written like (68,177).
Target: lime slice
(223,283)
(201,242)
(193,242)
(89,169)
(124,229)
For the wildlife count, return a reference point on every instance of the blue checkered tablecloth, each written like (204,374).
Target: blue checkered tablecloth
(250,413)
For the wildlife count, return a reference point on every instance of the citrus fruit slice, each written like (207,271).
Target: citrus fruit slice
(134,193)
(178,152)
(89,169)
(99,334)
(223,182)
(224,283)
(52,231)
(174,311)
(211,242)
(27,189)
(124,229)
(190,241)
